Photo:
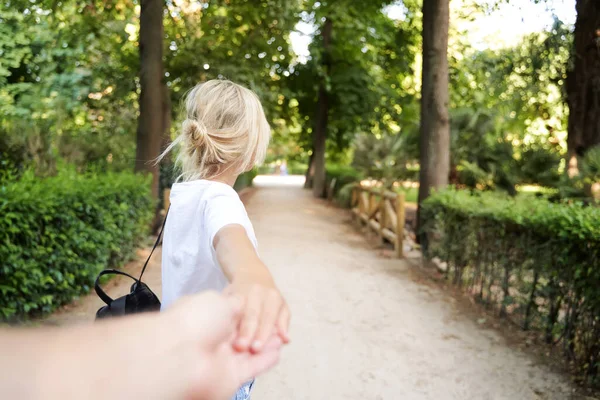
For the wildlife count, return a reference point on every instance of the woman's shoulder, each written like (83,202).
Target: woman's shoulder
(205,187)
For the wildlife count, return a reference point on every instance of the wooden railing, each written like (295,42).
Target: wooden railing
(383,212)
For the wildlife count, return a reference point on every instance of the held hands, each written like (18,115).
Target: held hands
(264,312)
(210,321)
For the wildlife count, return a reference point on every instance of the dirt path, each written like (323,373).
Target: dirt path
(363,328)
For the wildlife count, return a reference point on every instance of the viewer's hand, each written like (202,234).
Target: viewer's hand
(264,313)
(184,353)
(216,370)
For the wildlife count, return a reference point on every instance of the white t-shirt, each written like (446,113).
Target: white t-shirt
(199,209)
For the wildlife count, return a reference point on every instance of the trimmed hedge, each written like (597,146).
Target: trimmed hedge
(56,234)
(537,262)
(344,175)
(245,180)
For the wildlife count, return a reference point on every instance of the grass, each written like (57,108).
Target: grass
(411,193)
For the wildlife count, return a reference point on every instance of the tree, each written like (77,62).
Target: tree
(435,121)
(322,117)
(354,80)
(583,84)
(150,121)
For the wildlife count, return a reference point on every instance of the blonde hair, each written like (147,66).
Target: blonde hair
(225,127)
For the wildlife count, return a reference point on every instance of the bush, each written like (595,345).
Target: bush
(297,168)
(344,176)
(536,261)
(56,234)
(245,180)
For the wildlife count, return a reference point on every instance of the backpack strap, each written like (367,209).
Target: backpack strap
(100,292)
(155,244)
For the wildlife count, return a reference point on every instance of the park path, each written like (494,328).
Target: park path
(364,325)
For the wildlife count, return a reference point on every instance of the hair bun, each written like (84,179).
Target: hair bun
(196,131)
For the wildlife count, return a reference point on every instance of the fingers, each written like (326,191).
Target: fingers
(195,313)
(283,323)
(273,343)
(271,307)
(256,364)
(250,320)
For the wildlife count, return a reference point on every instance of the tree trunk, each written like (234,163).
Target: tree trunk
(150,120)
(583,84)
(435,124)
(166,117)
(310,171)
(320,135)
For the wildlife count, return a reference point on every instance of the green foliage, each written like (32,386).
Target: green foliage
(411,194)
(539,165)
(366,73)
(345,176)
(508,114)
(67,86)
(245,180)
(385,158)
(56,234)
(245,41)
(68,72)
(590,167)
(536,261)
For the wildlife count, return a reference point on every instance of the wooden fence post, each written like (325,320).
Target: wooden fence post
(361,205)
(370,210)
(382,215)
(400,225)
(331,189)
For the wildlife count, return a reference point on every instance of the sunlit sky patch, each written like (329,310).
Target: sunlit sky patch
(502,27)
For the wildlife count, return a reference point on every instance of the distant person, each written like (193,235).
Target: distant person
(182,354)
(209,242)
(284,170)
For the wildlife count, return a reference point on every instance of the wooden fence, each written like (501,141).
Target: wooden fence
(383,212)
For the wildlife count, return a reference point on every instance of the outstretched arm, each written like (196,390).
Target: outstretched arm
(184,353)
(264,310)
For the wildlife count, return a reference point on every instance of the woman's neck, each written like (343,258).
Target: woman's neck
(226,178)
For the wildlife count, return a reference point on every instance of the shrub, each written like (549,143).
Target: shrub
(56,234)
(245,180)
(386,157)
(536,261)
(297,168)
(344,176)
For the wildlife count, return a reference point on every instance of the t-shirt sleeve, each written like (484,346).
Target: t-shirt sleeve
(224,209)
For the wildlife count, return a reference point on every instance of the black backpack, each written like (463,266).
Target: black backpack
(140,299)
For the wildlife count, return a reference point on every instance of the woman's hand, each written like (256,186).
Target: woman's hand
(214,369)
(264,311)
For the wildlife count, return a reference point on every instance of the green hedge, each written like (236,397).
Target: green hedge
(245,180)
(343,175)
(56,234)
(537,262)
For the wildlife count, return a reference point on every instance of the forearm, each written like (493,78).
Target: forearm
(239,259)
(98,361)
(21,364)
(39,364)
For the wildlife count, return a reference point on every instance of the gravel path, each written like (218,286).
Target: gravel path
(363,327)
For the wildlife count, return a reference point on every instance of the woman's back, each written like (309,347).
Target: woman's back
(199,209)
